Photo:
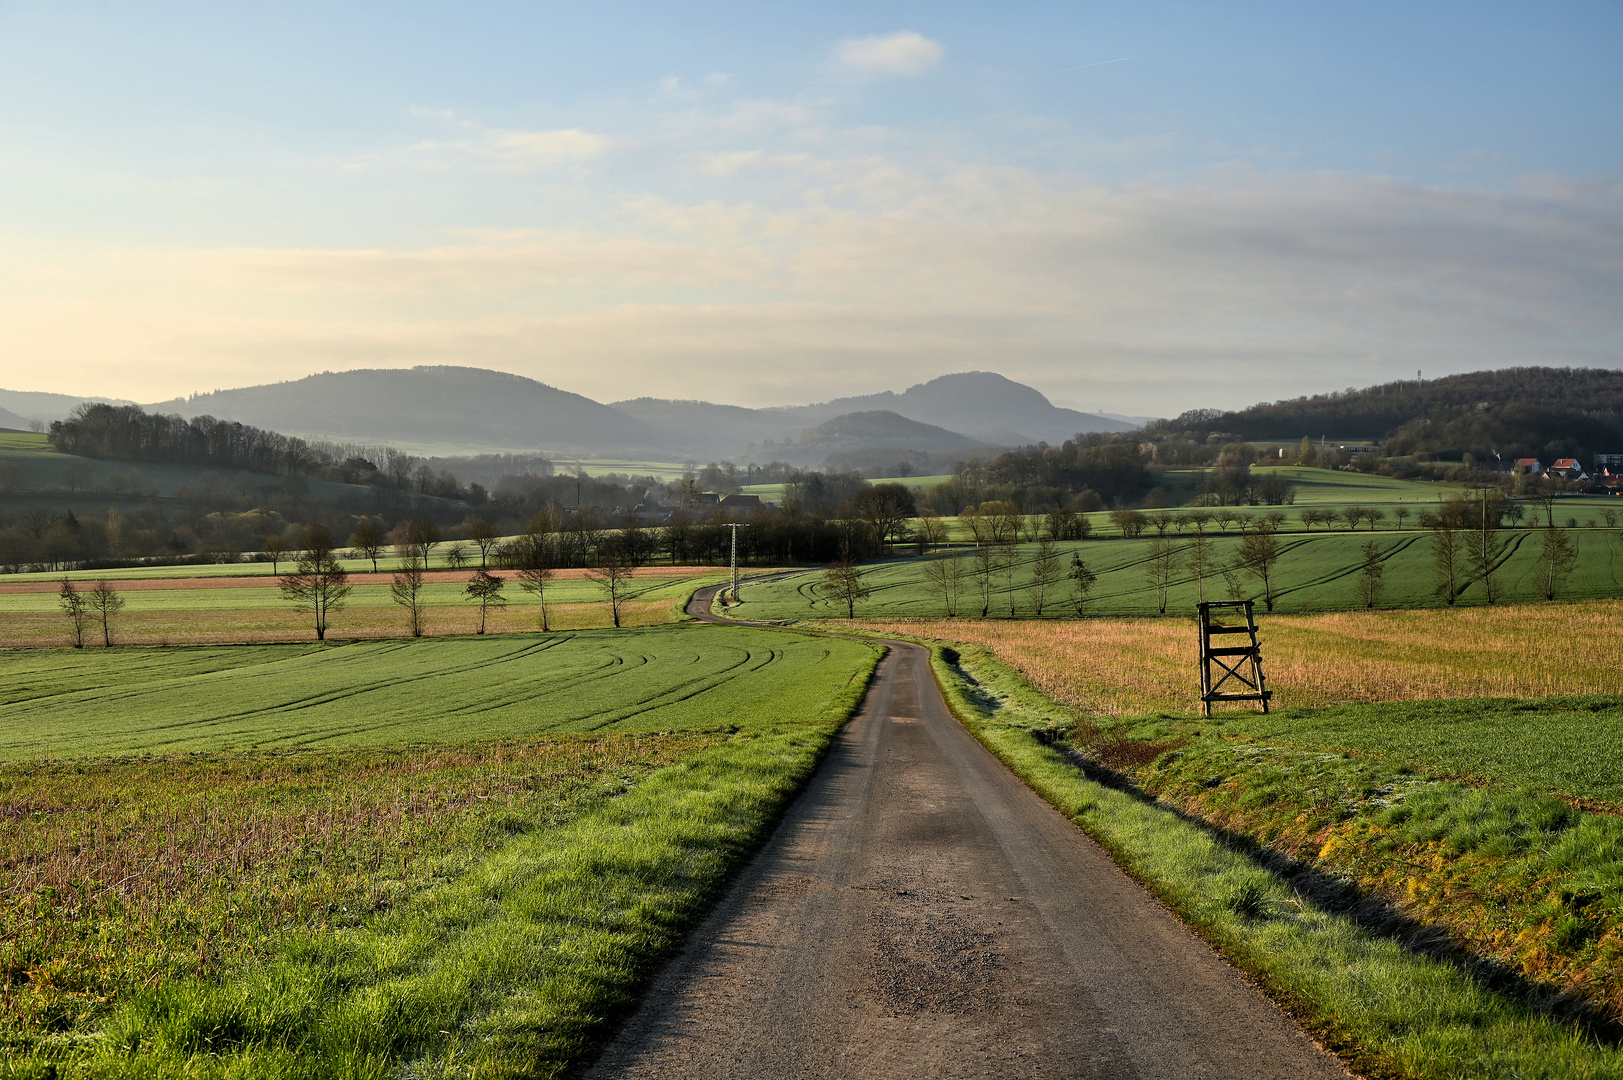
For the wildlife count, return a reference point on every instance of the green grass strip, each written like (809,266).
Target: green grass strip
(520,968)
(1388,1011)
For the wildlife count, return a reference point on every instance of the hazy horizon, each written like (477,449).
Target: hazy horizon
(1135,212)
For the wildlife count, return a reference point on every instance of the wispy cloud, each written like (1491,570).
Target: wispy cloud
(904,53)
(514,149)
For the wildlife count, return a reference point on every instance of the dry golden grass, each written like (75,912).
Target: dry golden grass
(1115,667)
(249,626)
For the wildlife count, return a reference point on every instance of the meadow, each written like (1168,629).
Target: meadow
(431,856)
(1316,571)
(1123,667)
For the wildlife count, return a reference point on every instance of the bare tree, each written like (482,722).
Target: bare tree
(483,536)
(421,535)
(276,547)
(1557,558)
(612,572)
(535,570)
(1402,515)
(1082,580)
(1258,554)
(1159,569)
(1371,576)
(1373,516)
(73,606)
(932,531)
(319,584)
(105,604)
(1200,556)
(367,541)
(1045,572)
(946,575)
(486,588)
(407,590)
(843,582)
(985,567)
(1445,554)
(1352,515)
(1485,546)
(77,476)
(456,556)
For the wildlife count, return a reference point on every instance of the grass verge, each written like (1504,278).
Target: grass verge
(1390,1009)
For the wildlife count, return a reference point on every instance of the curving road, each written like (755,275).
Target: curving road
(920,912)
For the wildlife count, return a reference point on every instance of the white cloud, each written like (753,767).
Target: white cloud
(904,53)
(511,148)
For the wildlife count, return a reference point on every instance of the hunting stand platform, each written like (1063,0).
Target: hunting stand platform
(1246,666)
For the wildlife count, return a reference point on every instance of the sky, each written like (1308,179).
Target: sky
(1138,208)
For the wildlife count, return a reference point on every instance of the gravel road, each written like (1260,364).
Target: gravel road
(922,913)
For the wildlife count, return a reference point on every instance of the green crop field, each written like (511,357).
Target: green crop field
(437,857)
(1316,572)
(139,700)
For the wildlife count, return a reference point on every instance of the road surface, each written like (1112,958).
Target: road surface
(922,913)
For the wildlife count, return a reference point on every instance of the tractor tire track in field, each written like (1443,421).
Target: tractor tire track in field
(920,912)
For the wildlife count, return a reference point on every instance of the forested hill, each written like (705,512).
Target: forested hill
(1525,411)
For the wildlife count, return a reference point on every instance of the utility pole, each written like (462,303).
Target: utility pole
(735,526)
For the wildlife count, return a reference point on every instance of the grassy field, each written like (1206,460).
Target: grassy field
(1420,926)
(254,611)
(1118,667)
(379,859)
(74,703)
(1315,572)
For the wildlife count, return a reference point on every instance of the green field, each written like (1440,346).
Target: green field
(1316,572)
(698,678)
(442,857)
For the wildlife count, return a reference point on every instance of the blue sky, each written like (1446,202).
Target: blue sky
(1142,208)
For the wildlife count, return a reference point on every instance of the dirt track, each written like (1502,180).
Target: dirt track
(922,913)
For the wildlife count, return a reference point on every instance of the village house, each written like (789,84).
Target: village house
(1528,465)
(1568,469)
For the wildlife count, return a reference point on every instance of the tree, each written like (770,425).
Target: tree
(105,603)
(483,536)
(1557,557)
(612,571)
(319,583)
(1158,570)
(1371,575)
(74,607)
(367,541)
(276,547)
(1485,546)
(486,588)
(1445,554)
(886,508)
(984,567)
(1082,580)
(946,575)
(456,557)
(1130,522)
(77,476)
(1258,554)
(1373,517)
(932,531)
(1045,572)
(407,591)
(535,569)
(1352,515)
(843,582)
(420,534)
(1200,556)
(1402,514)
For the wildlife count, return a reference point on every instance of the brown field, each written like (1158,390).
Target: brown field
(1115,667)
(252,626)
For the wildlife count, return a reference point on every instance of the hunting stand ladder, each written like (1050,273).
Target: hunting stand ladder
(1240,664)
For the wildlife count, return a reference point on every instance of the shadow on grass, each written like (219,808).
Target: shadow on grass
(1377,915)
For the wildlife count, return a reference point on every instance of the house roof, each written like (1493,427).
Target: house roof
(1565,463)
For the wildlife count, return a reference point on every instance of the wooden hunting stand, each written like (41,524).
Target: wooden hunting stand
(1251,687)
